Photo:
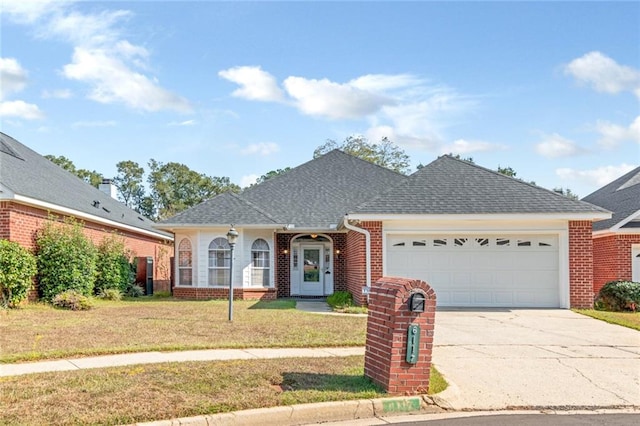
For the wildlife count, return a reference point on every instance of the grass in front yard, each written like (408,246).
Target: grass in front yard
(625,319)
(163,391)
(38,331)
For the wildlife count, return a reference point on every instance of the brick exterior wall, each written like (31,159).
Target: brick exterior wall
(283,266)
(612,258)
(386,343)
(20,223)
(201,293)
(356,273)
(581,282)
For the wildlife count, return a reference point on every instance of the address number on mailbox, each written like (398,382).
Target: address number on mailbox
(413,343)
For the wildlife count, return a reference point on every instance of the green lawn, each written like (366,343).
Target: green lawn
(38,331)
(169,390)
(625,319)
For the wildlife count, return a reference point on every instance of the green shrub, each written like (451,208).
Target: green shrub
(113,270)
(133,290)
(340,299)
(72,300)
(66,260)
(619,296)
(17,268)
(161,294)
(110,294)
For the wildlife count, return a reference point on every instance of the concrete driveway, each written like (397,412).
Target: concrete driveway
(517,358)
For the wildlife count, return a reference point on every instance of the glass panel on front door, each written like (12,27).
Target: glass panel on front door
(311,265)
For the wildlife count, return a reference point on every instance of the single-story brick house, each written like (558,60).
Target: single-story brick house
(32,189)
(616,241)
(340,223)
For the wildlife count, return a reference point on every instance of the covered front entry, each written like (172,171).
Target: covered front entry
(480,270)
(311,265)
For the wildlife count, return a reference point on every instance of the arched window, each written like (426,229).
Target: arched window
(260,263)
(185,263)
(219,255)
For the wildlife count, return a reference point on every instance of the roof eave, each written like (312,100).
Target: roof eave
(173,226)
(594,216)
(86,216)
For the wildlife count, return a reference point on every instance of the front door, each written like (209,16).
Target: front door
(312,271)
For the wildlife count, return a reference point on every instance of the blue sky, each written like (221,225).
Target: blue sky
(240,88)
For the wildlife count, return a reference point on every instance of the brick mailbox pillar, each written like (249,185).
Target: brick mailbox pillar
(399,336)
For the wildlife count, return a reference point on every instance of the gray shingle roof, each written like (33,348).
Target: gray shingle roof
(223,209)
(452,186)
(27,173)
(315,194)
(622,197)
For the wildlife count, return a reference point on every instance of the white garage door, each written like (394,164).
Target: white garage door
(477,270)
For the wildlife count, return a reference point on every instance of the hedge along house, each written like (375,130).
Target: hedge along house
(33,190)
(339,223)
(616,241)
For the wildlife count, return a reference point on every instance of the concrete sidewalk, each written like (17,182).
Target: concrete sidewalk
(180,356)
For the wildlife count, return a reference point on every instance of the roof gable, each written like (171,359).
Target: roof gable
(622,197)
(318,193)
(453,186)
(223,209)
(26,173)
(315,194)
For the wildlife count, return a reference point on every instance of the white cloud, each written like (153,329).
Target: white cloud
(183,123)
(604,74)
(463,146)
(20,109)
(115,69)
(599,176)
(613,134)
(57,94)
(113,81)
(27,12)
(325,98)
(78,124)
(262,148)
(255,84)
(378,83)
(248,180)
(556,146)
(13,78)
(405,108)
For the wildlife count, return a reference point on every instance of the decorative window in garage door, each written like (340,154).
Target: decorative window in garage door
(466,242)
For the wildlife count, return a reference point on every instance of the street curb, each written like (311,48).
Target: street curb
(312,413)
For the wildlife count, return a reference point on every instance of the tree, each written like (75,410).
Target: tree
(385,153)
(175,187)
(566,192)
(129,183)
(93,178)
(507,171)
(271,174)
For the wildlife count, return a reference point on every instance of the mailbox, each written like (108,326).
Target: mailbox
(417,302)
(413,344)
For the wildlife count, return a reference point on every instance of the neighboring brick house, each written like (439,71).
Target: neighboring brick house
(616,241)
(33,190)
(477,237)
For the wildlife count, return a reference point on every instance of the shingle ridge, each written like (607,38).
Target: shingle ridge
(517,180)
(255,207)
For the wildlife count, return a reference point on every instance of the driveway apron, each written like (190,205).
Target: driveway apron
(496,359)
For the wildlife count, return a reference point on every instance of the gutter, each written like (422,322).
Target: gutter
(367,245)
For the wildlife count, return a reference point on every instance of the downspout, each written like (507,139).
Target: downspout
(367,245)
